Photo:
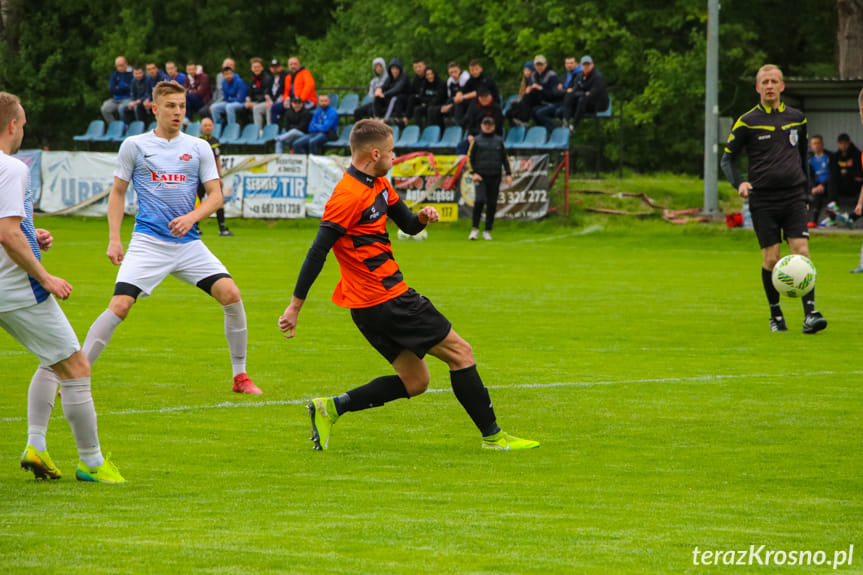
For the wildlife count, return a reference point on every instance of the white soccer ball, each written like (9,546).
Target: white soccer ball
(419,237)
(794,276)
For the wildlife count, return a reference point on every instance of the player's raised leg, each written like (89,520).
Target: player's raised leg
(226,292)
(473,395)
(102,330)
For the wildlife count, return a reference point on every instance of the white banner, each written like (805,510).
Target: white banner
(324,173)
(269,189)
(70,178)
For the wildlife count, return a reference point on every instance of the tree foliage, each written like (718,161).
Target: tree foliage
(58,53)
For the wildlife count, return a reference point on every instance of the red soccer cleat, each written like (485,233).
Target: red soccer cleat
(242,384)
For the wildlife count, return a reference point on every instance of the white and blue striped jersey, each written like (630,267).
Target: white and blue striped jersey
(17,288)
(165,174)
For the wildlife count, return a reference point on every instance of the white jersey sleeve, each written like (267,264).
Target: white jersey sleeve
(14,179)
(208,170)
(126,160)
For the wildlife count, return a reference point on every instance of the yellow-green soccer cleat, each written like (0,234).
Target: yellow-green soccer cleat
(105,473)
(40,463)
(323,413)
(506,442)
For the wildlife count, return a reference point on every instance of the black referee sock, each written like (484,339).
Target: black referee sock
(809,302)
(373,394)
(473,396)
(772,294)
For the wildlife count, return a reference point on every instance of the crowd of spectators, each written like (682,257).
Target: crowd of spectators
(425,98)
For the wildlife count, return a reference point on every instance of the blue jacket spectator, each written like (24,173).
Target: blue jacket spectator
(174,74)
(323,127)
(120,86)
(234,92)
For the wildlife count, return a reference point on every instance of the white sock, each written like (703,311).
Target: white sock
(237,335)
(81,415)
(861,256)
(100,334)
(40,404)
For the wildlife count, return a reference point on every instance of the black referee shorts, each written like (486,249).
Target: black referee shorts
(408,322)
(779,213)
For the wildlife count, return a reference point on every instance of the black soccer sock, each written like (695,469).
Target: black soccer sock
(809,302)
(772,294)
(220,217)
(373,394)
(473,396)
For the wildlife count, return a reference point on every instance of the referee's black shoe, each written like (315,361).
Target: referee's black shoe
(814,322)
(778,324)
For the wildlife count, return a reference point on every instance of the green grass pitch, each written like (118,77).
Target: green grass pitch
(638,353)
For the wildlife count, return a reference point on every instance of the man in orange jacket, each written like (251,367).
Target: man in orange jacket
(298,84)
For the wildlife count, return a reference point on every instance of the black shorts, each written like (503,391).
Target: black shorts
(408,322)
(776,214)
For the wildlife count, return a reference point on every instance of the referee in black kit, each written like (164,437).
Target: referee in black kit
(774,136)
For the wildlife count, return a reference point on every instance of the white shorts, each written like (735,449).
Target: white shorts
(43,329)
(150,260)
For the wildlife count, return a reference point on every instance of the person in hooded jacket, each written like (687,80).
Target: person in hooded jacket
(391,99)
(432,93)
(380,76)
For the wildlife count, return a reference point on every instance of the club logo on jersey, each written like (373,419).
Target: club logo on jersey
(792,137)
(186,157)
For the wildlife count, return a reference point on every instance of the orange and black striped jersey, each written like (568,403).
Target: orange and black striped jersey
(358,210)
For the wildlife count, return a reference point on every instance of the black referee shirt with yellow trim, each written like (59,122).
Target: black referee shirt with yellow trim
(776,143)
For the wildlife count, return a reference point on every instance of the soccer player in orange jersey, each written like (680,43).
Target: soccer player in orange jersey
(400,323)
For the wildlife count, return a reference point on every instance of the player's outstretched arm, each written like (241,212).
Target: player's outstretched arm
(409,222)
(15,243)
(214,200)
(116,207)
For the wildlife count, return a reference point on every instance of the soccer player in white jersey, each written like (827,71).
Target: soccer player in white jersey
(31,315)
(165,166)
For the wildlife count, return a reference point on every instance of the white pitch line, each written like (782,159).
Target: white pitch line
(584,232)
(720,377)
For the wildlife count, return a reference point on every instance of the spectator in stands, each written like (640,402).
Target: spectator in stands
(543,90)
(322,128)
(154,76)
(416,88)
(135,110)
(298,84)
(174,74)
(198,90)
(478,79)
(519,113)
(120,86)
(207,135)
(277,91)
(590,95)
(391,98)
(433,93)
(547,114)
(258,99)
(451,111)
(378,80)
(821,178)
(849,173)
(234,92)
(206,111)
(485,159)
(485,106)
(297,119)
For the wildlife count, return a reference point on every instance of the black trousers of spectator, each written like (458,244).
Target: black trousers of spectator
(576,105)
(486,192)
(420,113)
(817,202)
(364,111)
(454,117)
(381,105)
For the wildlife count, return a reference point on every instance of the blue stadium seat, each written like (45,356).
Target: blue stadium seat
(348,105)
(450,139)
(217,131)
(95,130)
(559,140)
(395,133)
(248,137)
(193,129)
(269,134)
(344,140)
(607,112)
(135,128)
(514,137)
(230,134)
(152,126)
(430,137)
(409,138)
(114,133)
(334,101)
(534,140)
(508,103)
(366,100)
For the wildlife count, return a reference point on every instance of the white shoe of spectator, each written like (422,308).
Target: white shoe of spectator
(474,234)
(486,235)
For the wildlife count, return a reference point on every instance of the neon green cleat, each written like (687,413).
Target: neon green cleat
(40,463)
(324,416)
(105,473)
(506,442)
